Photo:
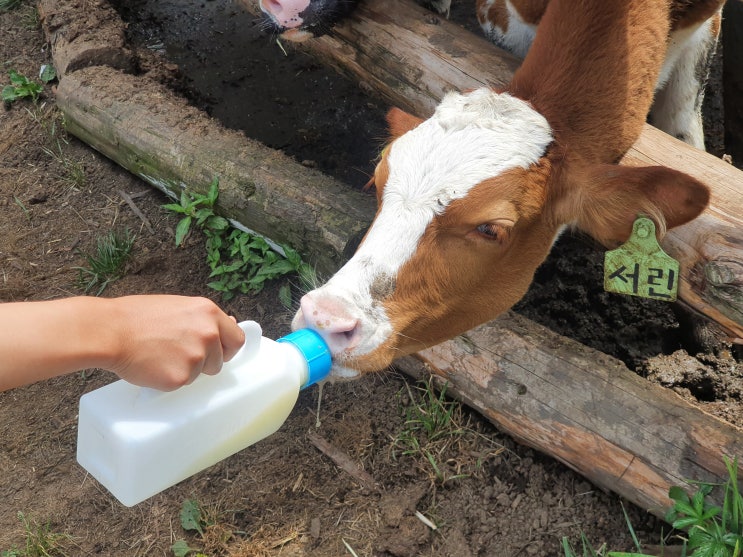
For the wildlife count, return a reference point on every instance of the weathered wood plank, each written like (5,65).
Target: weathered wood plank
(582,407)
(172,146)
(66,25)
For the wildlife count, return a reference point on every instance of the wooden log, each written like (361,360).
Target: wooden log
(582,407)
(67,26)
(173,146)
(412,57)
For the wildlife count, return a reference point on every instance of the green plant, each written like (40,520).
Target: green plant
(107,263)
(711,531)
(22,87)
(7,5)
(587,549)
(48,117)
(74,169)
(40,541)
(430,426)
(240,262)
(193,519)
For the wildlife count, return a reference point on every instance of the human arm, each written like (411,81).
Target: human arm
(157,341)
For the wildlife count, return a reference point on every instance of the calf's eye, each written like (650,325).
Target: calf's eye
(492,231)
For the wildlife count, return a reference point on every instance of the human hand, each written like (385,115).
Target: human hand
(165,342)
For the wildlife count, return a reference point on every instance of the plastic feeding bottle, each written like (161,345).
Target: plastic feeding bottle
(138,441)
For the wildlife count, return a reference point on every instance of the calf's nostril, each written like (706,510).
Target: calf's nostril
(332,321)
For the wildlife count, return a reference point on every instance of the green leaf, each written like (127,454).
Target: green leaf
(677,493)
(285,296)
(180,548)
(275,269)
(16,78)
(615,554)
(292,256)
(9,93)
(175,207)
(684,523)
(47,73)
(217,223)
(191,518)
(181,230)
(211,197)
(185,200)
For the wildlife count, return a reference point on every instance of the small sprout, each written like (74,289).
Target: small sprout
(20,88)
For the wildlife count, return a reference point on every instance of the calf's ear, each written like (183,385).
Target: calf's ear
(400,122)
(604,200)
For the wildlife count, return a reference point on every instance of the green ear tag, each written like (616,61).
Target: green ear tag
(640,267)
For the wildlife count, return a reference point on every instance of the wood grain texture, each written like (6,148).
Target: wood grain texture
(581,407)
(174,147)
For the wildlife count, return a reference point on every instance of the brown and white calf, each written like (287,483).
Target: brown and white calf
(471,200)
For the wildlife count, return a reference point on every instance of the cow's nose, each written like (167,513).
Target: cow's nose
(330,318)
(285,12)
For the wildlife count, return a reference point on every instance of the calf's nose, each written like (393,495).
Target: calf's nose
(329,318)
(285,12)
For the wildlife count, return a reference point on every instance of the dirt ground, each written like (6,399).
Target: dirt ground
(487,495)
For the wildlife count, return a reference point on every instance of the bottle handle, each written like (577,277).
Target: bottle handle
(248,350)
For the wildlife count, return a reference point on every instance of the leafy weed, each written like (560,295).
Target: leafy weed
(240,262)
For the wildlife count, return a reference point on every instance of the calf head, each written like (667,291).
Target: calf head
(298,20)
(470,202)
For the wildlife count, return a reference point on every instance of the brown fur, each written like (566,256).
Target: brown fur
(591,72)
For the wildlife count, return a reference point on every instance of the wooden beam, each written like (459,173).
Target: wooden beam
(67,26)
(582,407)
(411,57)
(174,147)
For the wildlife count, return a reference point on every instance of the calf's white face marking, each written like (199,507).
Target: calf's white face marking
(470,138)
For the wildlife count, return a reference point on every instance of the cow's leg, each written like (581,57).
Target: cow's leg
(677,107)
(439,6)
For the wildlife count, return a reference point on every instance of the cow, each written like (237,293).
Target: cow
(299,20)
(471,200)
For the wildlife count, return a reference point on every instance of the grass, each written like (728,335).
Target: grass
(431,428)
(40,541)
(214,535)
(710,530)
(704,528)
(48,119)
(7,5)
(74,171)
(107,263)
(240,262)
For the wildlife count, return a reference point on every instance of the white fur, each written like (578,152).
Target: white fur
(519,36)
(678,101)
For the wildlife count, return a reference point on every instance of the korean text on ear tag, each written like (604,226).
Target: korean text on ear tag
(640,267)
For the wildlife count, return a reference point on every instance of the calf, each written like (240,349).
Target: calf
(299,20)
(471,200)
